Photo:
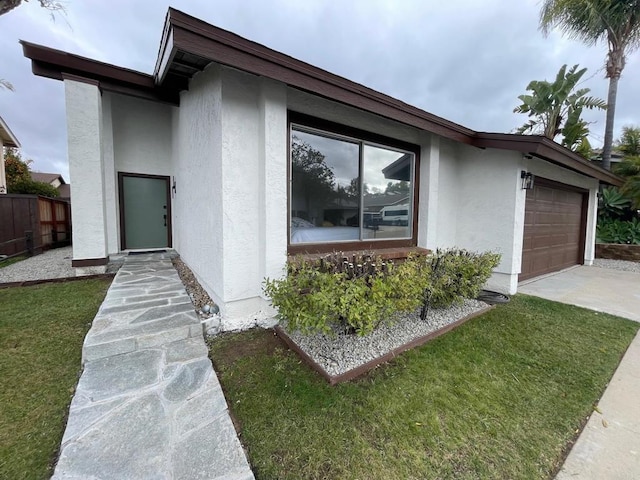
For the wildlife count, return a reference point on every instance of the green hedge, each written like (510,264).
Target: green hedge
(359,292)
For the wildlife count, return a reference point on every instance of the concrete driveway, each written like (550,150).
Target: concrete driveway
(601,289)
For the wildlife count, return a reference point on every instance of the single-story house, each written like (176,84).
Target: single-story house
(9,140)
(56,181)
(236,155)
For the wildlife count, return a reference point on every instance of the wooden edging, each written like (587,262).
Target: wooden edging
(370,365)
(28,283)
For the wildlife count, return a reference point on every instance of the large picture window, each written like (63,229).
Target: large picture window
(347,189)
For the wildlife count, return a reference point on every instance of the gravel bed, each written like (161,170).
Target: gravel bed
(199,297)
(55,263)
(340,353)
(622,265)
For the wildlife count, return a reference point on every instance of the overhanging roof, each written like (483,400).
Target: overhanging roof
(8,138)
(52,63)
(189,44)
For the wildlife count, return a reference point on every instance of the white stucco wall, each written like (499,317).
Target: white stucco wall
(84,135)
(489,213)
(198,203)
(137,139)
(231,199)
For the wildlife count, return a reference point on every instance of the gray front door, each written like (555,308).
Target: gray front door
(145,211)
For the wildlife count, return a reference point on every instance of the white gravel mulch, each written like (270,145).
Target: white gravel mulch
(340,353)
(622,265)
(54,263)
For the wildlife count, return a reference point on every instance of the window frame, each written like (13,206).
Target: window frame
(351,133)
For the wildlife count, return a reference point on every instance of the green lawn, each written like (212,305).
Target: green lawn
(41,333)
(10,261)
(501,397)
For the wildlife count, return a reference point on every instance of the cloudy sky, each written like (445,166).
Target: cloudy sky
(464,60)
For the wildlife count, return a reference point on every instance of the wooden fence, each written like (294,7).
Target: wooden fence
(30,224)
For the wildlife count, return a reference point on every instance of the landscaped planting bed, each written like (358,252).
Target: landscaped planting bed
(339,357)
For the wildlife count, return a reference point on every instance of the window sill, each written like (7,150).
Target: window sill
(397,253)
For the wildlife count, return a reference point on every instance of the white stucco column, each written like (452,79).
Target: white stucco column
(428,201)
(85,142)
(592,220)
(110,186)
(273,178)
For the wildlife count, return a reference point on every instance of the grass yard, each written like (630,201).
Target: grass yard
(501,397)
(41,332)
(10,261)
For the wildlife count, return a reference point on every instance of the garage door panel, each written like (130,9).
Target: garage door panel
(553,230)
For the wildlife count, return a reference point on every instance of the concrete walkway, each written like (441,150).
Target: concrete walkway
(148,404)
(600,289)
(609,446)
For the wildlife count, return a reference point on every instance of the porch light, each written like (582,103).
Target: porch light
(527,180)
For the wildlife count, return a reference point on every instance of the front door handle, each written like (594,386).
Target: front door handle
(165,219)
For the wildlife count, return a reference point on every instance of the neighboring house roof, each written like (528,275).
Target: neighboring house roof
(8,138)
(47,177)
(189,44)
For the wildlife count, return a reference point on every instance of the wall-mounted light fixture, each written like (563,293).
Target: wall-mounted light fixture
(173,187)
(527,180)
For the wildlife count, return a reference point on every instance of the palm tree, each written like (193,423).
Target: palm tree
(556,107)
(617,22)
(629,143)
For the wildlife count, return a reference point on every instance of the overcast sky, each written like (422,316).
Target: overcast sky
(464,60)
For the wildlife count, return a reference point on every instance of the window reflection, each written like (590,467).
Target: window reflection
(386,193)
(335,198)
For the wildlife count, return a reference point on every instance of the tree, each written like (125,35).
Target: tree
(592,21)
(629,167)
(7,5)
(313,178)
(19,179)
(629,143)
(556,108)
(401,187)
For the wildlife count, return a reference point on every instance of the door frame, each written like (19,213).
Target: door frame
(545,182)
(121,209)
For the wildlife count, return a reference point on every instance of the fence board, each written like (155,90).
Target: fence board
(48,219)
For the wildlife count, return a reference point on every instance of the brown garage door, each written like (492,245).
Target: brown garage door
(554,228)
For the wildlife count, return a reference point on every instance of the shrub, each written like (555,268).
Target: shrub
(618,231)
(355,293)
(358,293)
(453,275)
(30,187)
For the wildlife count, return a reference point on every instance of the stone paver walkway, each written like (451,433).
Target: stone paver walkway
(148,404)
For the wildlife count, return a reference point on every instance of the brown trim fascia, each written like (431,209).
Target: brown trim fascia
(547,150)
(90,262)
(197,37)
(55,64)
(70,61)
(77,78)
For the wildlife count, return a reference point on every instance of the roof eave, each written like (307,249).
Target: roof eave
(8,138)
(547,150)
(51,63)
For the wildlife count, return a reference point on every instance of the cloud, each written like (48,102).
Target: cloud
(464,60)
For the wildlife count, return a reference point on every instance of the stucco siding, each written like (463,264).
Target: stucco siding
(84,136)
(448,189)
(141,136)
(490,217)
(197,204)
